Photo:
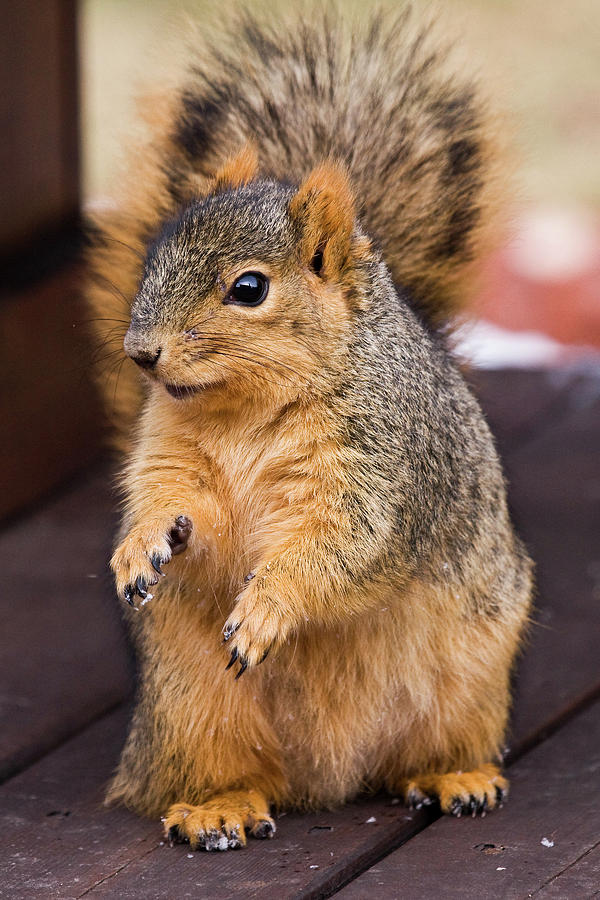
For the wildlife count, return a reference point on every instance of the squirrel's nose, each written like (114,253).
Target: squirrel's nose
(139,351)
(147,359)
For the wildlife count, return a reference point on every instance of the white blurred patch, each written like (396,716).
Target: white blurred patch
(554,245)
(486,346)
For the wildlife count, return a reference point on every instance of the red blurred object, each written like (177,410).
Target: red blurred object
(547,279)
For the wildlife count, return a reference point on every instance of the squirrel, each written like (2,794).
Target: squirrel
(327,593)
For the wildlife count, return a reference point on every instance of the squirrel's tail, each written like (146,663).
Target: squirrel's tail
(377,94)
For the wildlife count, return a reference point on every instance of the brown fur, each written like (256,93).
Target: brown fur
(350,538)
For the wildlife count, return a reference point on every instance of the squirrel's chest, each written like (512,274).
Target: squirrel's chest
(256,485)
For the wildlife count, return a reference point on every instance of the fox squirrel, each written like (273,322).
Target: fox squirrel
(302,450)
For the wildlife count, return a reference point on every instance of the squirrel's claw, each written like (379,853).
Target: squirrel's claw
(228,632)
(242,659)
(234,656)
(139,587)
(243,667)
(156,561)
(255,627)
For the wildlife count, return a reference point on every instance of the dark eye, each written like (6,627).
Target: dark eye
(250,289)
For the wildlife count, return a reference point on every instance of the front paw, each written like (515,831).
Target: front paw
(256,626)
(137,562)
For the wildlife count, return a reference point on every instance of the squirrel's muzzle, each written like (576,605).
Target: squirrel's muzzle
(141,350)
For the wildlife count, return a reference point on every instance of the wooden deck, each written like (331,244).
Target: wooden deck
(67,675)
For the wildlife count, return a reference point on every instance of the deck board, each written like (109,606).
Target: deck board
(554,802)
(63,657)
(580,878)
(554,492)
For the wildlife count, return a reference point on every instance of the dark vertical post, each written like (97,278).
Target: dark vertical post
(39,151)
(48,412)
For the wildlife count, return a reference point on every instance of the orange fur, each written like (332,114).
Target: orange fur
(324,205)
(238,170)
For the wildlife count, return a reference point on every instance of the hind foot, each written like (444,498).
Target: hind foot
(221,822)
(470,793)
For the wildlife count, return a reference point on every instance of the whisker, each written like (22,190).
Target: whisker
(97,362)
(117,293)
(110,368)
(108,341)
(107,372)
(230,370)
(104,319)
(244,352)
(243,358)
(119,370)
(111,333)
(103,237)
(226,339)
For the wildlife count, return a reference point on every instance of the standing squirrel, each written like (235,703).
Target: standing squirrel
(302,450)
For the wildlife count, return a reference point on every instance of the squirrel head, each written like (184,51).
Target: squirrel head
(252,287)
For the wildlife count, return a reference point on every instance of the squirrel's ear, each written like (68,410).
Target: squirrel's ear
(324,209)
(238,170)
